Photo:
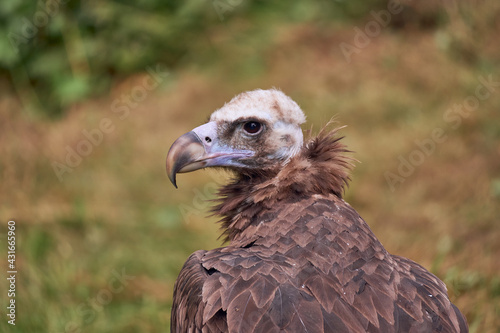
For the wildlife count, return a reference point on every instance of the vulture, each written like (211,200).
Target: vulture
(299,258)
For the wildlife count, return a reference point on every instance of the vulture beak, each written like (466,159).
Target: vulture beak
(200,149)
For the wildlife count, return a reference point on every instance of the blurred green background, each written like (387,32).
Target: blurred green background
(93,93)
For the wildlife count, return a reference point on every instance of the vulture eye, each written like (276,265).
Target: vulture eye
(252,127)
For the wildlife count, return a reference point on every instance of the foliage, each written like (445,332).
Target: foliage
(59,52)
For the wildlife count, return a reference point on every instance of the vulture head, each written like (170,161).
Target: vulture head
(256,131)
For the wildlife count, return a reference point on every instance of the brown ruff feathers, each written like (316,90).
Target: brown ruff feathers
(321,167)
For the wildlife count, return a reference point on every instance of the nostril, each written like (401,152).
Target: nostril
(207,139)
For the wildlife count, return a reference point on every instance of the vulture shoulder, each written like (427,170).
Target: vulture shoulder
(188,306)
(320,269)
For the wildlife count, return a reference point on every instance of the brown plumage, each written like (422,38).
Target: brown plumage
(301,259)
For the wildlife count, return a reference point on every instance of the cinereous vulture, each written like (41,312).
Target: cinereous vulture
(299,258)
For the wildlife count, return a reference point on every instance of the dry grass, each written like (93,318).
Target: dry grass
(117,210)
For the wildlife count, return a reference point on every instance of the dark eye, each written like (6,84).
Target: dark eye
(252,127)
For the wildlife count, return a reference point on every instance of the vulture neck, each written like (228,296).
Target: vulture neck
(320,168)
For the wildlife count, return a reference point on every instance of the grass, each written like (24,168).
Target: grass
(117,212)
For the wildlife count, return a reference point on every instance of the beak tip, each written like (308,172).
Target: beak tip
(171,176)
(174,182)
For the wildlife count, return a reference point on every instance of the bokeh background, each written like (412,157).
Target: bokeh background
(93,93)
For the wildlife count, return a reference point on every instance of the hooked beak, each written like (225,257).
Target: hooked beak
(185,155)
(200,149)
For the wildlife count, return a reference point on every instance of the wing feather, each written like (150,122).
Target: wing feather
(187,308)
(243,313)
